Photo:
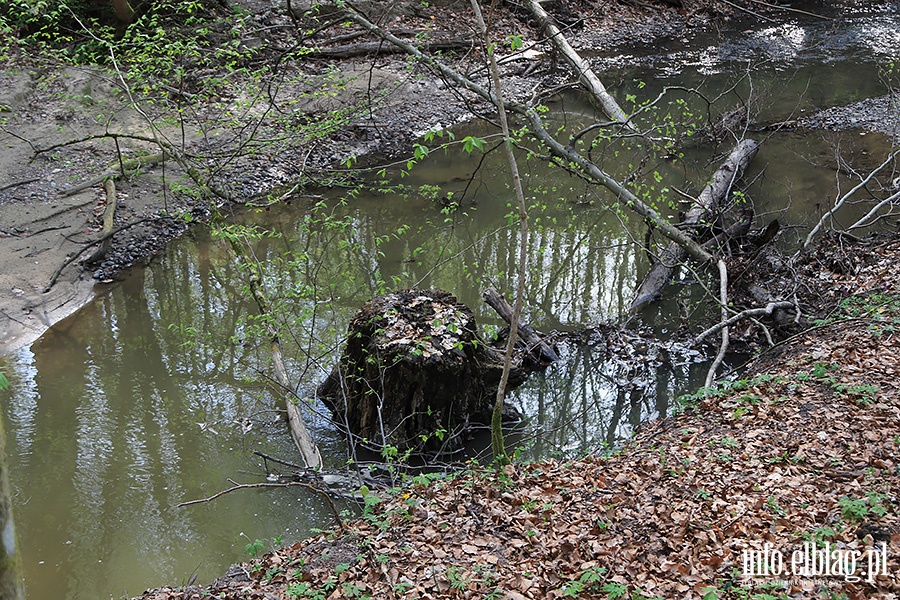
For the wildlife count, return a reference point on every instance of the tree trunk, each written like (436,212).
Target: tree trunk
(706,204)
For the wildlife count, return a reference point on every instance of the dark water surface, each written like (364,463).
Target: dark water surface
(155,393)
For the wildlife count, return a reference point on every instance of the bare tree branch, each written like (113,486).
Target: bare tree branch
(768,309)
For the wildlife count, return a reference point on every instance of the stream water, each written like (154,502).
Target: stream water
(155,393)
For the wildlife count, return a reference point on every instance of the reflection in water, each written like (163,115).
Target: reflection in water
(156,393)
(118,416)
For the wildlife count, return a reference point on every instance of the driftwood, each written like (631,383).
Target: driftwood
(381,47)
(537,347)
(586,75)
(414,374)
(109,186)
(117,171)
(706,204)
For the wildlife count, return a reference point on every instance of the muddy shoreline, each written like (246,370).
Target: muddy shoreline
(45,104)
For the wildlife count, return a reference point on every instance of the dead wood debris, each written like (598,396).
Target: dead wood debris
(806,448)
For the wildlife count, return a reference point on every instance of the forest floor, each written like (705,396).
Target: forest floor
(797,460)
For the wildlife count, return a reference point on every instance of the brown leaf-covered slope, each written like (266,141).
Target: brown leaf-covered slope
(805,450)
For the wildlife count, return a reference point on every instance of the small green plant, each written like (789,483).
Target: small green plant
(614,590)
(773,506)
(820,535)
(709,593)
(457,580)
(859,509)
(352,590)
(588,580)
(301,589)
(255,548)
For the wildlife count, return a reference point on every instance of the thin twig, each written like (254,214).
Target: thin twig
(789,9)
(280,461)
(286,484)
(246,486)
(751,312)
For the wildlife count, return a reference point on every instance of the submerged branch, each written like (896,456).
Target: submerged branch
(768,309)
(247,486)
(267,484)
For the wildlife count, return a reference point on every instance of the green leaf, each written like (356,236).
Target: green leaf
(615,590)
(470,143)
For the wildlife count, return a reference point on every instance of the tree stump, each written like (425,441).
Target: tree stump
(414,373)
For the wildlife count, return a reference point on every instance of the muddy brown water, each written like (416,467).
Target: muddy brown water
(153,394)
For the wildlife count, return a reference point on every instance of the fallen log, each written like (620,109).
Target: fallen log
(537,347)
(414,374)
(380,48)
(706,204)
(586,76)
(116,171)
(109,214)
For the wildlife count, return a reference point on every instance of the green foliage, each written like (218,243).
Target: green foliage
(774,507)
(826,373)
(728,388)
(4,382)
(820,535)
(472,143)
(301,589)
(161,51)
(615,590)
(709,593)
(589,580)
(860,509)
(255,548)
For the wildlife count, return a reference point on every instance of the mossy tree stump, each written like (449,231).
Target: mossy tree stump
(414,373)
